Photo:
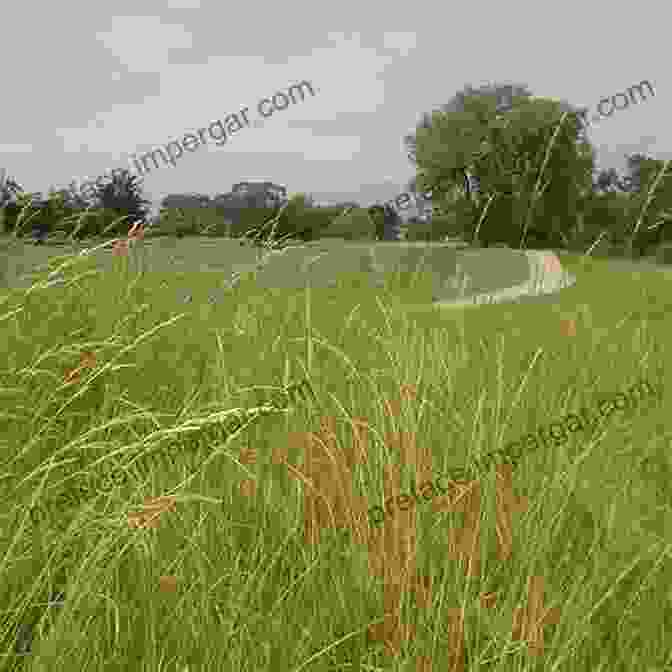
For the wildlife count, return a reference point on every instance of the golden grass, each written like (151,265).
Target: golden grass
(329,503)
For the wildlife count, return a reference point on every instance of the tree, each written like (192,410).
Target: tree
(377,215)
(634,165)
(505,97)
(606,180)
(609,180)
(299,218)
(120,195)
(228,206)
(511,148)
(652,202)
(191,200)
(260,194)
(9,189)
(462,134)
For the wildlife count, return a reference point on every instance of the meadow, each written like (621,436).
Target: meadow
(251,550)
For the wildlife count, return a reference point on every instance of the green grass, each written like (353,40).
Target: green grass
(250,594)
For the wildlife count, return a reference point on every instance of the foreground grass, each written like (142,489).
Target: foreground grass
(225,576)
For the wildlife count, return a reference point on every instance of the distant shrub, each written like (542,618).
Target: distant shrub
(11,213)
(617,250)
(256,223)
(307,223)
(250,222)
(183,221)
(622,250)
(353,225)
(664,253)
(106,222)
(220,227)
(122,192)
(598,248)
(33,214)
(446,226)
(541,239)
(209,222)
(419,231)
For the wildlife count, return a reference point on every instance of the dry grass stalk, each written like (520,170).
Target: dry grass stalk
(329,502)
(301,440)
(568,327)
(392,555)
(507,505)
(455,620)
(393,407)
(469,542)
(464,542)
(327,475)
(248,456)
(87,360)
(488,600)
(248,486)
(333,478)
(423,591)
(360,441)
(280,455)
(529,621)
(168,584)
(407,394)
(392,548)
(153,508)
(392,632)
(419,458)
(424,664)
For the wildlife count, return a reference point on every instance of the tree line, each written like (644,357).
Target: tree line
(502,167)
(537,182)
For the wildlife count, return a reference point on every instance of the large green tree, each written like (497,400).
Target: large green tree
(529,158)
(504,97)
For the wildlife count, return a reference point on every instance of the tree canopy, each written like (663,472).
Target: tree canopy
(528,156)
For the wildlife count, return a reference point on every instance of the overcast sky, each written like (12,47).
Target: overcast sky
(87,85)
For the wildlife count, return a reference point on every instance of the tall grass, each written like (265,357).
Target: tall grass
(260,555)
(237,534)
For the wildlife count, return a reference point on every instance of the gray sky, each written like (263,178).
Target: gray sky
(88,85)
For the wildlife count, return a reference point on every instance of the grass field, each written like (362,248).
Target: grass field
(561,564)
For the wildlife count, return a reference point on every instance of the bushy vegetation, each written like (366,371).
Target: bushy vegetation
(117,204)
(438,228)
(353,224)
(294,220)
(664,254)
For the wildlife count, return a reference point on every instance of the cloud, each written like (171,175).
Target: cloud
(16,148)
(403,42)
(144,43)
